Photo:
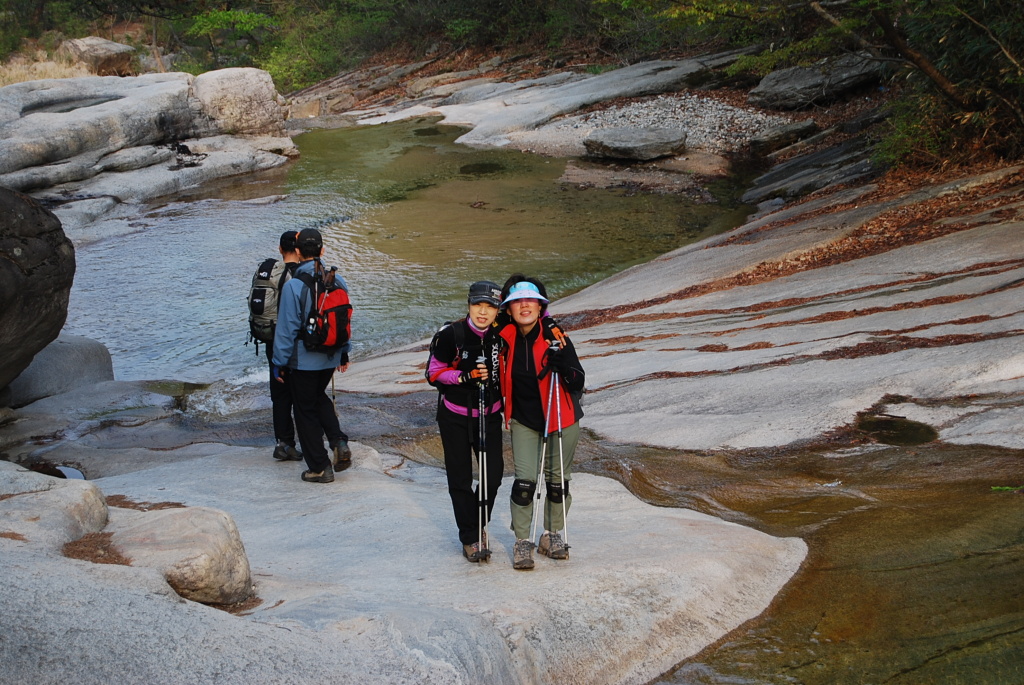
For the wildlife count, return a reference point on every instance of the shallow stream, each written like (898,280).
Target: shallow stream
(410,218)
(914,570)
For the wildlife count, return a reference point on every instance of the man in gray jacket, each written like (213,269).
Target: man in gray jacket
(307,372)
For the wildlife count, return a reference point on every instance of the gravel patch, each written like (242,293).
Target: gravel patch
(711,125)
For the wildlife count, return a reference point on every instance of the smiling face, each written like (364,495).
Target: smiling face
(482,314)
(525,313)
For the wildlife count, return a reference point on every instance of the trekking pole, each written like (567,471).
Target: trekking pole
(334,398)
(481,456)
(561,459)
(538,510)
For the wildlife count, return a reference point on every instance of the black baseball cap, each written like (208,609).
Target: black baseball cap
(309,238)
(485,291)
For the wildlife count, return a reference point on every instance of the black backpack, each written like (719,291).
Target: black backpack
(270,275)
(460,342)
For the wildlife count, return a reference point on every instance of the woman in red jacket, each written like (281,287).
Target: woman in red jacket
(543,418)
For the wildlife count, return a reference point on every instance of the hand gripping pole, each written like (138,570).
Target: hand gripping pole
(538,510)
(561,459)
(484,552)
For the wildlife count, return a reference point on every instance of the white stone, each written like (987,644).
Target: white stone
(197,549)
(241,100)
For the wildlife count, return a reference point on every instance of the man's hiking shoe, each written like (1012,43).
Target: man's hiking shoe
(522,555)
(325,476)
(551,545)
(286,452)
(342,456)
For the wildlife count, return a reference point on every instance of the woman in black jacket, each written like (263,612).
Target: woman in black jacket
(463,364)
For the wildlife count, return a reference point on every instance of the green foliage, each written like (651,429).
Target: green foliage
(963,60)
(803,52)
(459,30)
(312,48)
(919,132)
(235,22)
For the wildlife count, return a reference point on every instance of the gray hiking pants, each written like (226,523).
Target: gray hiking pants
(526,452)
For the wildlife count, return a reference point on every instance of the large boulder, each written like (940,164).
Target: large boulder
(103,57)
(66,126)
(47,512)
(69,362)
(197,549)
(240,100)
(822,83)
(62,133)
(636,144)
(37,266)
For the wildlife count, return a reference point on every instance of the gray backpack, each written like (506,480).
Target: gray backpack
(263,295)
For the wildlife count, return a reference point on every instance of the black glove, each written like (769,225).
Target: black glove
(474,376)
(558,360)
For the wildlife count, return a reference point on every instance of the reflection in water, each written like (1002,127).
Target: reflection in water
(408,216)
(914,568)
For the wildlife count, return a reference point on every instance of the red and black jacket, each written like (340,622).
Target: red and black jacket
(526,379)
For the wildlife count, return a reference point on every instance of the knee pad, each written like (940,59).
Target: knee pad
(523,491)
(556,493)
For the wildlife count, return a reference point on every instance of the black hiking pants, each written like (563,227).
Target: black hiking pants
(281,399)
(460,436)
(314,415)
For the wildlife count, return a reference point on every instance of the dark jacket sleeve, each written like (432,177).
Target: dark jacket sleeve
(572,374)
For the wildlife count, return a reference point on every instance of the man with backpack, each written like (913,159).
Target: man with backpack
(270,277)
(305,360)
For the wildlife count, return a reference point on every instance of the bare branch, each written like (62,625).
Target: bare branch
(824,14)
(991,35)
(945,86)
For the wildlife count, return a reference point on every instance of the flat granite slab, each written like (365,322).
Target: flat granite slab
(363,580)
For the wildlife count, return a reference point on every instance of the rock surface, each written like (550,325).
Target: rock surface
(66,134)
(635,144)
(317,554)
(784,329)
(197,549)
(43,512)
(103,57)
(241,101)
(503,114)
(69,362)
(822,83)
(37,266)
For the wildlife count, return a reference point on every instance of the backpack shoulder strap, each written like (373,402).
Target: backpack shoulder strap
(265,267)
(460,334)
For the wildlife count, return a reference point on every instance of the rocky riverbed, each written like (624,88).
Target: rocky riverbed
(737,376)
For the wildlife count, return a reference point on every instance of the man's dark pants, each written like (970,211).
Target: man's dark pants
(314,415)
(281,399)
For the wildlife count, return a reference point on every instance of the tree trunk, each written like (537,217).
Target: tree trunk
(945,86)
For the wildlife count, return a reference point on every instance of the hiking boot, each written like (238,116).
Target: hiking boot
(522,555)
(342,456)
(478,551)
(472,552)
(551,545)
(325,476)
(286,452)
